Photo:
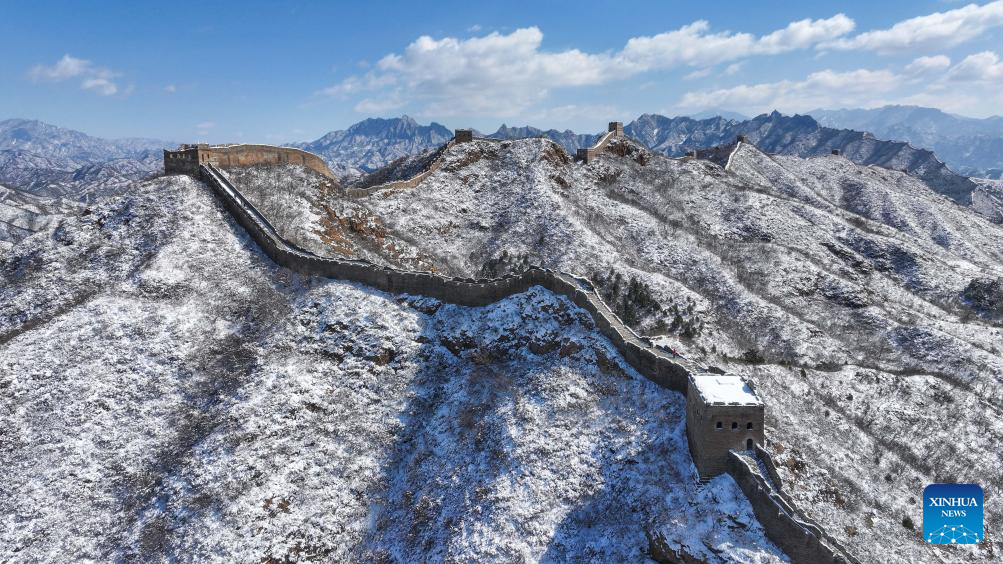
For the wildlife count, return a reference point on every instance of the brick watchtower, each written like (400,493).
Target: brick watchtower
(586,154)
(723,414)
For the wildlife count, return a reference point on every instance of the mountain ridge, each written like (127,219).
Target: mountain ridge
(972,146)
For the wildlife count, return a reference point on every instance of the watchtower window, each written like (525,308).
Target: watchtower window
(719,425)
(734,425)
(749,444)
(748,425)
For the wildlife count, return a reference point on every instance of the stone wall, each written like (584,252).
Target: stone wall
(803,541)
(661,367)
(769,468)
(614,130)
(467,136)
(188,158)
(412,182)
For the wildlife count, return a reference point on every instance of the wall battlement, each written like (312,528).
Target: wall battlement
(187,158)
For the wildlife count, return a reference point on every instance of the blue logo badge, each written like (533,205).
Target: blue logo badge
(952,514)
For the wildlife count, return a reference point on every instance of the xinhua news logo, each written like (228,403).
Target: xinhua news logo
(952,514)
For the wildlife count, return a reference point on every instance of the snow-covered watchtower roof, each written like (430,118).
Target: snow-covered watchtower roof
(724,389)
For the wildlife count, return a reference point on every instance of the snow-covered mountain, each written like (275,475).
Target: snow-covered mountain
(863,304)
(172,392)
(375,142)
(971,146)
(568,139)
(802,136)
(167,393)
(51,161)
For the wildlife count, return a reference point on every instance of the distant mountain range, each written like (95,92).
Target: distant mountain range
(973,147)
(55,162)
(375,142)
(801,136)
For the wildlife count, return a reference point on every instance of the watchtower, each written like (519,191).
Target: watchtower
(186,158)
(586,154)
(723,413)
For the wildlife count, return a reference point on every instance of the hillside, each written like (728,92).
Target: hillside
(859,300)
(23,214)
(168,393)
(375,143)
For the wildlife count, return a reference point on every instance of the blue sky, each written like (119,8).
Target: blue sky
(284,71)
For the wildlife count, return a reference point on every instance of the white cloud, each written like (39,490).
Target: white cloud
(804,33)
(170,89)
(92,78)
(505,74)
(824,88)
(926,81)
(701,73)
(938,30)
(102,86)
(925,65)
(984,66)
(67,67)
(205,125)
(694,45)
(377,106)
(733,68)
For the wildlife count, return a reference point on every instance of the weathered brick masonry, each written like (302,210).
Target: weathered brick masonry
(187,158)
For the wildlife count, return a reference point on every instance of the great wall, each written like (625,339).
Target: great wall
(725,419)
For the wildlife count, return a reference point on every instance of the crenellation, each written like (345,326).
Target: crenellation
(187,158)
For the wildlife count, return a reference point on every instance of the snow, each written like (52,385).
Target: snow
(228,396)
(727,389)
(787,264)
(167,393)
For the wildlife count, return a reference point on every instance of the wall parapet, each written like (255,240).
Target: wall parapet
(662,367)
(187,158)
(803,540)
